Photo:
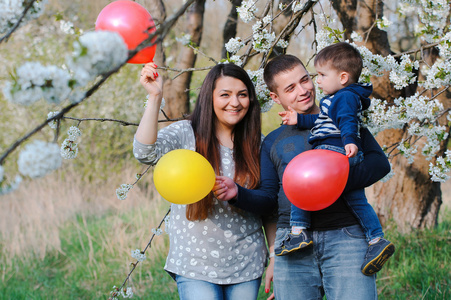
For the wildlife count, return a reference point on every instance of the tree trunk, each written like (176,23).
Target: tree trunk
(176,92)
(230,27)
(346,10)
(409,198)
(157,10)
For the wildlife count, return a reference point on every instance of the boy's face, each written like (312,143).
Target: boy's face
(329,79)
(295,88)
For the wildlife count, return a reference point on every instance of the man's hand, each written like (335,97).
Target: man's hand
(225,188)
(289,117)
(351,150)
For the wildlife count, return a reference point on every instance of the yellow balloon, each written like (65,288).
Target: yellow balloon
(183,176)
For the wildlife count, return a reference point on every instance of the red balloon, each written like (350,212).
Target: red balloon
(133,22)
(315,179)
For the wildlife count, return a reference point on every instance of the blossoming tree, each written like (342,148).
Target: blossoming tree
(410,103)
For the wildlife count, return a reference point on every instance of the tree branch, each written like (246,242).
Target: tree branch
(10,32)
(162,30)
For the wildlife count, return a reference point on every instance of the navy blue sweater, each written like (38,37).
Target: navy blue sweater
(278,149)
(338,123)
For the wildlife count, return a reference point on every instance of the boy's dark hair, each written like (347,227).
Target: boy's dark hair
(342,57)
(281,63)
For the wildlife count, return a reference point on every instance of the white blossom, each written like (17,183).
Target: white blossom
(234,45)
(323,39)
(39,158)
(34,81)
(69,149)
(261,89)
(439,172)
(74,133)
(236,59)
(114,293)
(383,23)
(282,43)
(262,40)
(96,53)
(127,292)
(157,231)
(247,10)
(266,20)
(54,123)
(123,190)
(67,27)
(8,188)
(356,37)
(138,255)
(12,10)
(297,6)
(407,150)
(185,39)
(401,74)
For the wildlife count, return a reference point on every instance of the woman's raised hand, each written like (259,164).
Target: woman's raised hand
(150,80)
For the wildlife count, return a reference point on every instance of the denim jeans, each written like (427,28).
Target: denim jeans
(355,199)
(192,289)
(331,267)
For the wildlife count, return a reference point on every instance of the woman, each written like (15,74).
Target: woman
(216,251)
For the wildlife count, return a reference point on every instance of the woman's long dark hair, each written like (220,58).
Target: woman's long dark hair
(247,136)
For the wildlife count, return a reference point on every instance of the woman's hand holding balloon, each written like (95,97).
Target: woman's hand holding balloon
(225,188)
(151,81)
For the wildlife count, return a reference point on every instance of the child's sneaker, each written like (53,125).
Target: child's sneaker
(294,242)
(376,256)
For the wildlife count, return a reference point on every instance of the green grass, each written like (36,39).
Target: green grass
(87,266)
(420,267)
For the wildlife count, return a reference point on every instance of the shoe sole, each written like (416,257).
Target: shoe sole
(376,264)
(301,246)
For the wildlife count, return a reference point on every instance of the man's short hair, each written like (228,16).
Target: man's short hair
(281,63)
(341,57)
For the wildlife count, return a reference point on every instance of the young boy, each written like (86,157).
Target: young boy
(337,128)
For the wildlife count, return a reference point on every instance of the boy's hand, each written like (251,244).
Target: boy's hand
(289,117)
(351,150)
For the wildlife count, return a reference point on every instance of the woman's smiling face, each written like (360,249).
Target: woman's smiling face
(230,101)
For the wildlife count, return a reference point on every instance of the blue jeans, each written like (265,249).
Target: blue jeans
(355,199)
(331,267)
(192,289)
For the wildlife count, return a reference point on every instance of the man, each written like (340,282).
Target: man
(332,266)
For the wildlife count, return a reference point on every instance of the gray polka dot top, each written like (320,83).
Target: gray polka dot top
(229,246)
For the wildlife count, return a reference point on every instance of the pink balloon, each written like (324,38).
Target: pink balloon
(315,179)
(133,22)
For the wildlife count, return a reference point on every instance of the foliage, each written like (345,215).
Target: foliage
(88,263)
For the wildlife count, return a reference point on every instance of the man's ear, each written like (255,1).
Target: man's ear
(344,78)
(274,97)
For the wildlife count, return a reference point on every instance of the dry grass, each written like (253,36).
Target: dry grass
(31,218)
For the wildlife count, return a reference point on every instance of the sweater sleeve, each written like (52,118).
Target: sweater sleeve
(343,112)
(263,200)
(306,121)
(374,166)
(178,135)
